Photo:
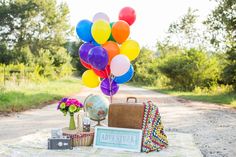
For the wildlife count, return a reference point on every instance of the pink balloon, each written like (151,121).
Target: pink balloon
(120,64)
(101,16)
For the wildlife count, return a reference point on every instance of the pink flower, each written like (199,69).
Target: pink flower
(75,102)
(70,101)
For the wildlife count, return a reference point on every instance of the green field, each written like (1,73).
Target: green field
(227,98)
(14,98)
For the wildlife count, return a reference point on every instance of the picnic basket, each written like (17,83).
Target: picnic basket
(79,138)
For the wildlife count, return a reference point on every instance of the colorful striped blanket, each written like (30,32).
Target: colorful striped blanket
(154,138)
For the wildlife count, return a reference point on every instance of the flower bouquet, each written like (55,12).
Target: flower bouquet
(71,106)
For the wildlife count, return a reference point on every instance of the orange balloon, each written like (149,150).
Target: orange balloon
(120,31)
(112,49)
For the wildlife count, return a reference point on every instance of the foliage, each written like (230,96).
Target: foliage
(189,69)
(166,48)
(54,66)
(13,56)
(19,73)
(145,71)
(222,24)
(188,58)
(73,48)
(184,29)
(34,32)
(38,23)
(229,72)
(188,32)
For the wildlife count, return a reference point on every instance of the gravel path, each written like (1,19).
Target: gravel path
(213,127)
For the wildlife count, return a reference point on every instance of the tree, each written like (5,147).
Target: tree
(184,30)
(190,69)
(34,32)
(34,24)
(188,32)
(222,24)
(145,68)
(166,48)
(229,72)
(73,49)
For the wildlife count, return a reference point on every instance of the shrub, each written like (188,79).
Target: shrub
(73,48)
(145,71)
(189,69)
(229,72)
(54,66)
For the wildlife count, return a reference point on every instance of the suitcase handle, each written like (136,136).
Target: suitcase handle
(135,99)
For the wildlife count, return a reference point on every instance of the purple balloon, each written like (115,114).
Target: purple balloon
(98,57)
(84,50)
(109,87)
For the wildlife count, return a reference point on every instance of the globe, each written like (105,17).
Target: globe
(96,106)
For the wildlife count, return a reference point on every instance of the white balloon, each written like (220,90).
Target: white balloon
(101,16)
(120,64)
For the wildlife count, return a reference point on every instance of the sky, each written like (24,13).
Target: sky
(153,17)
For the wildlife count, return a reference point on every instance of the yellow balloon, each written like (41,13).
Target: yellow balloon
(101,31)
(90,79)
(130,48)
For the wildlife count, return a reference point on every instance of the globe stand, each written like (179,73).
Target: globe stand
(99,122)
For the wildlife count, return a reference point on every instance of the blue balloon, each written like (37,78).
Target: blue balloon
(83,30)
(126,77)
(95,43)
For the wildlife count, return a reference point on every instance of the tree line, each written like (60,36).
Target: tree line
(35,34)
(190,57)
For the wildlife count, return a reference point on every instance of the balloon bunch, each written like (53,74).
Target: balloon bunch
(107,51)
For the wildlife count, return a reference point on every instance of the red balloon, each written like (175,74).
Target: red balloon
(103,73)
(86,65)
(127,14)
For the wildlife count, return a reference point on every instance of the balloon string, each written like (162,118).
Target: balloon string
(110,82)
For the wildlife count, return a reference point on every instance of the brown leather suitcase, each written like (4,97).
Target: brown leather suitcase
(126,115)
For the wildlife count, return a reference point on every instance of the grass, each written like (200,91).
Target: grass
(15,98)
(225,98)
(222,96)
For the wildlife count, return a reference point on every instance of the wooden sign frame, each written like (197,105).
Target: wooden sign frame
(118,138)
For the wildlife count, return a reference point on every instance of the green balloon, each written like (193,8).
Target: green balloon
(111,37)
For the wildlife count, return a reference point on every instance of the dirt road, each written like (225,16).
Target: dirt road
(213,127)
